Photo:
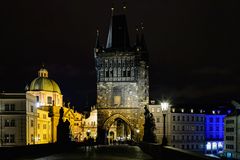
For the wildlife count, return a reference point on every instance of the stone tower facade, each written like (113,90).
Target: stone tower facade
(122,79)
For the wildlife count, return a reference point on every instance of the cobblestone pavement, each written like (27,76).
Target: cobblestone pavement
(111,152)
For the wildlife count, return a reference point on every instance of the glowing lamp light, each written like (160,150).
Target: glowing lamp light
(164,106)
(208,146)
(37,104)
(137,131)
(214,145)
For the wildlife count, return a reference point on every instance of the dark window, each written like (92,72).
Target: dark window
(182,146)
(49,100)
(158,120)
(31,123)
(37,98)
(12,107)
(230,138)
(211,119)
(178,118)
(129,73)
(217,120)
(7,123)
(7,107)
(197,128)
(174,128)
(124,73)
(229,121)
(229,129)
(182,128)
(201,119)
(12,138)
(174,118)
(201,128)
(173,138)
(197,119)
(12,123)
(183,118)
(31,108)
(187,118)
(192,118)
(182,137)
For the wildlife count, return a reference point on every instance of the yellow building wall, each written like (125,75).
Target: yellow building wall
(43,127)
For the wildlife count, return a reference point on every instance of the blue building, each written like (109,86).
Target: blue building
(214,131)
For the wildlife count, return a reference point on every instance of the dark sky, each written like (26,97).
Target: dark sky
(193,46)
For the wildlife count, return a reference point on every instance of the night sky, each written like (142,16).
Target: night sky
(193,46)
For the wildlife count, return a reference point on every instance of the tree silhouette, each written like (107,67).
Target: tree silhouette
(149,127)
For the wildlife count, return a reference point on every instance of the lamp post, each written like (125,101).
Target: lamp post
(88,132)
(137,135)
(164,107)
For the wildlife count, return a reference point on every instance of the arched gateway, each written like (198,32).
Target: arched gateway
(122,83)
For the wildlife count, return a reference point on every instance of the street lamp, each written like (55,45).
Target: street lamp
(164,106)
(137,135)
(88,132)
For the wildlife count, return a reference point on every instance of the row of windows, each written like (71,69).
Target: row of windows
(188,118)
(188,128)
(230,138)
(230,121)
(9,138)
(228,146)
(10,123)
(189,146)
(217,120)
(187,138)
(44,126)
(153,110)
(116,63)
(9,107)
(93,123)
(229,129)
(44,136)
(49,99)
(44,116)
(216,128)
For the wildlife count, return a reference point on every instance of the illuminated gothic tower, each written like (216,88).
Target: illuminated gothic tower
(122,78)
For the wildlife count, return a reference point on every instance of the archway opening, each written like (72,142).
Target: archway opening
(119,132)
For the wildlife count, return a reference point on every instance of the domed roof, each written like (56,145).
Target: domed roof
(43,83)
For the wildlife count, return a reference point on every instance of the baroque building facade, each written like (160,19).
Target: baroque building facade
(32,117)
(122,82)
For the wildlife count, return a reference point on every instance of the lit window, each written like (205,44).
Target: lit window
(44,136)
(152,110)
(44,126)
(158,109)
(173,110)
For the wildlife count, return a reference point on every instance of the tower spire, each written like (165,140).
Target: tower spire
(118,37)
(143,42)
(97,44)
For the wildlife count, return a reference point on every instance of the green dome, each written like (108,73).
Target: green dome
(43,83)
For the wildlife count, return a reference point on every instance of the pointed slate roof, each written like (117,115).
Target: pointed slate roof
(118,38)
